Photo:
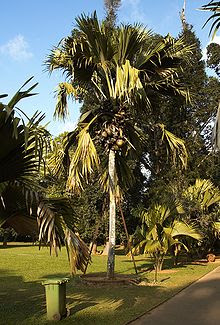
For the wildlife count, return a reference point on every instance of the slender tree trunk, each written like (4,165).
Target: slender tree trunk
(112,215)
(106,249)
(156,269)
(93,242)
(176,254)
(161,260)
(5,243)
(127,235)
(5,238)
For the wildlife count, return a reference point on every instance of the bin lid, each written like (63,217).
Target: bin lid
(55,281)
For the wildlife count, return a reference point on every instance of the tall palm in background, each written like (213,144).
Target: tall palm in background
(119,71)
(22,204)
(214,7)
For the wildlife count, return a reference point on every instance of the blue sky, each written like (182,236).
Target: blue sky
(29,29)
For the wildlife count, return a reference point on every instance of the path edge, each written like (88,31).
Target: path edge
(161,303)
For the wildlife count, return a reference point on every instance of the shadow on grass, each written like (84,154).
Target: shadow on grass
(55,275)
(148,263)
(119,252)
(16,246)
(78,305)
(24,302)
(19,300)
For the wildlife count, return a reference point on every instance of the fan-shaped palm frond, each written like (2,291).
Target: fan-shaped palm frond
(55,164)
(157,215)
(216,228)
(131,39)
(204,192)
(92,57)
(160,230)
(77,251)
(180,228)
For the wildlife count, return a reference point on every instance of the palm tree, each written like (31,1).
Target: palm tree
(214,7)
(22,204)
(160,231)
(117,72)
(199,202)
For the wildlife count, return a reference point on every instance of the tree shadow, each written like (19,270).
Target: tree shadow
(75,305)
(120,251)
(24,302)
(101,303)
(11,245)
(56,275)
(168,264)
(19,300)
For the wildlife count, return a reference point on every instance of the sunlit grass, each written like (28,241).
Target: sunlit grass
(22,300)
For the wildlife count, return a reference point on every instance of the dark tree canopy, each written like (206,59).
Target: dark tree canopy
(213,57)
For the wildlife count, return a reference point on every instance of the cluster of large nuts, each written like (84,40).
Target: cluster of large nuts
(113,137)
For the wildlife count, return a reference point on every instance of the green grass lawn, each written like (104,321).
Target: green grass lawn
(22,301)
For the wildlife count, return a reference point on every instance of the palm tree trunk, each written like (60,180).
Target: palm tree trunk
(156,269)
(112,215)
(160,264)
(176,254)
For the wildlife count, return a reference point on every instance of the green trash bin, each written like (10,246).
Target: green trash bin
(55,290)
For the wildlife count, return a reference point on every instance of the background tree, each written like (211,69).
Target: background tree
(213,57)
(214,6)
(191,121)
(111,8)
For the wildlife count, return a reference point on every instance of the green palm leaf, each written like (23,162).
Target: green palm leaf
(84,160)
(176,146)
(180,228)
(204,192)
(213,6)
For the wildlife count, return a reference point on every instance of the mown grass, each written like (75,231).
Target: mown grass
(22,300)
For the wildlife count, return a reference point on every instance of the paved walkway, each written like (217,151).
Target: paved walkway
(199,304)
